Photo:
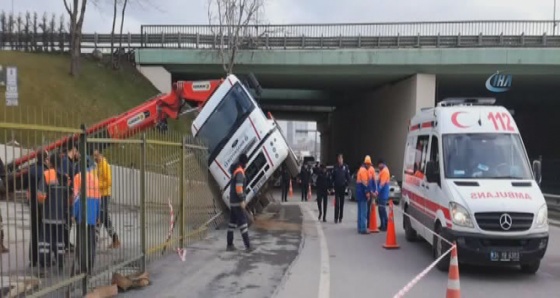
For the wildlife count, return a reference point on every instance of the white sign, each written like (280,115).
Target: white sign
(11,75)
(12,95)
(11,89)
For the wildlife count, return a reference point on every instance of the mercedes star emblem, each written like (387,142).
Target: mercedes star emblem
(506,221)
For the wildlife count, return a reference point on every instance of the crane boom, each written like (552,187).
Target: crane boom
(152,113)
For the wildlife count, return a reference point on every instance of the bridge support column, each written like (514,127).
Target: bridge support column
(377,123)
(158,76)
(325,131)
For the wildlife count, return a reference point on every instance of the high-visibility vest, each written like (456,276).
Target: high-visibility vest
(92,186)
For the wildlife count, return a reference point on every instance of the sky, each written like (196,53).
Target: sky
(98,18)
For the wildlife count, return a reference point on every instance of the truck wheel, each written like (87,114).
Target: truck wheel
(409,232)
(531,268)
(439,247)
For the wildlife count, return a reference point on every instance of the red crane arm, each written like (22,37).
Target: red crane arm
(184,95)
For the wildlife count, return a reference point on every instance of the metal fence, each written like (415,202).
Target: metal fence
(151,174)
(312,36)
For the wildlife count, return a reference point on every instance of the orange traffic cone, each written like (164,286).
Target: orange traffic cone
(391,240)
(309,193)
(373,219)
(291,190)
(453,285)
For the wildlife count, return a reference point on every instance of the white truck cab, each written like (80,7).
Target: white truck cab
(467,177)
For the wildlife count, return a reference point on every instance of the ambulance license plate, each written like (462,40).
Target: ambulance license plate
(504,256)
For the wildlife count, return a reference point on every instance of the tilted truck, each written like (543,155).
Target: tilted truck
(228,119)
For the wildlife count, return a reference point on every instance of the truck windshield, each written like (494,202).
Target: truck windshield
(486,156)
(225,119)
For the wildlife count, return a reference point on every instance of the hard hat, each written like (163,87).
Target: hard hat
(367,160)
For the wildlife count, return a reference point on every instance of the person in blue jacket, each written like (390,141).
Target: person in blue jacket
(93,201)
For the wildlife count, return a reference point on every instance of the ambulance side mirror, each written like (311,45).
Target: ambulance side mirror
(537,171)
(432,172)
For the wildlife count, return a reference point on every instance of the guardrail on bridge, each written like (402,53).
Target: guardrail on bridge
(316,36)
(553,201)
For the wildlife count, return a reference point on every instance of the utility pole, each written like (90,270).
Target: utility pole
(553,19)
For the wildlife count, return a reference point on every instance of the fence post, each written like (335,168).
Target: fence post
(143,202)
(182,196)
(83,232)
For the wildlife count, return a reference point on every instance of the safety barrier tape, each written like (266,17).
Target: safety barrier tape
(418,277)
(180,251)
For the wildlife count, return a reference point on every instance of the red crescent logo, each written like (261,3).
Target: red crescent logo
(454,120)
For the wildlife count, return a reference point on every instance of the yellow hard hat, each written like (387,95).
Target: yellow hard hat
(367,160)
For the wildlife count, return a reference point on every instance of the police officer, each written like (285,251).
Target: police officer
(285,182)
(340,178)
(237,218)
(305,179)
(322,191)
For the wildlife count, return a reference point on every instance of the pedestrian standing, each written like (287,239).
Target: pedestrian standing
(285,182)
(322,185)
(363,194)
(51,241)
(69,167)
(34,182)
(3,174)
(373,189)
(105,183)
(238,218)
(92,198)
(383,193)
(304,177)
(340,179)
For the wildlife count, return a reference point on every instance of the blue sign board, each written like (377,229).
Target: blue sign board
(499,82)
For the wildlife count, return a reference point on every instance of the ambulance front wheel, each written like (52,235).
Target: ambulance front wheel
(439,247)
(409,232)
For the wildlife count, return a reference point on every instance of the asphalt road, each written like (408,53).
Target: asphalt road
(357,265)
(211,271)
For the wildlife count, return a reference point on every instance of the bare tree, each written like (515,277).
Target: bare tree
(76,11)
(115,5)
(236,21)
(123,12)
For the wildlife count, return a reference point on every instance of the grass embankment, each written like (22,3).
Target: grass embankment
(48,95)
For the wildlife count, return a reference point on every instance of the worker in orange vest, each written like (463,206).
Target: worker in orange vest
(373,190)
(383,193)
(92,197)
(51,241)
(363,194)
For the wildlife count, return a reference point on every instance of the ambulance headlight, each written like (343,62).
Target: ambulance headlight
(460,216)
(542,217)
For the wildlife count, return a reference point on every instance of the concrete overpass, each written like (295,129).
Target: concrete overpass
(362,96)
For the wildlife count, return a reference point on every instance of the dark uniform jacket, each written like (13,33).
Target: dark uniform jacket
(340,176)
(322,183)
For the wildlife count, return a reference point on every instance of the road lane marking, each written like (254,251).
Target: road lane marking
(325,275)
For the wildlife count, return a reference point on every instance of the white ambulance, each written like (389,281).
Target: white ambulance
(468,178)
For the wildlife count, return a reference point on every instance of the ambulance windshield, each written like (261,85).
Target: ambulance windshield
(485,156)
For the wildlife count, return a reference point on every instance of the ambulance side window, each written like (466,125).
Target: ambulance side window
(434,150)
(421,154)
